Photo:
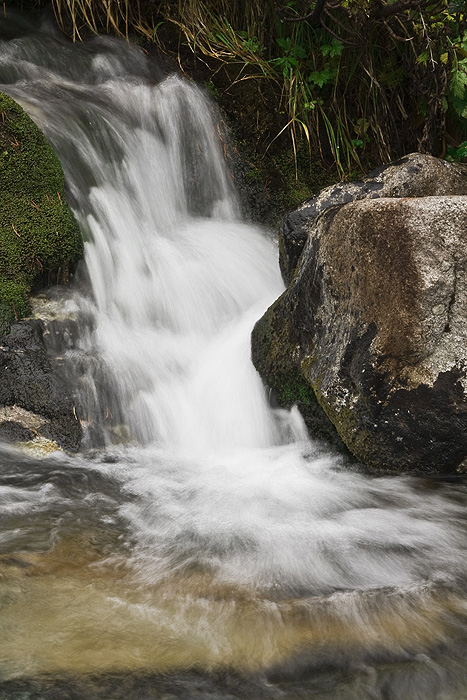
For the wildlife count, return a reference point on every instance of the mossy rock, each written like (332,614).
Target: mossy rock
(373,324)
(40,242)
(13,302)
(275,352)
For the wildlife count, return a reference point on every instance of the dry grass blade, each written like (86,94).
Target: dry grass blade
(118,16)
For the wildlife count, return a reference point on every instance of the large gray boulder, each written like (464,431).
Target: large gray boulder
(415,175)
(372,332)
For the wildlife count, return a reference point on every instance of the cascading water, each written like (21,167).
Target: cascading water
(174,274)
(219,536)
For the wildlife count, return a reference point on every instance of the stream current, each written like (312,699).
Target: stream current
(201,545)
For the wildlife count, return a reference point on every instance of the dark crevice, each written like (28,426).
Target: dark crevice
(452,299)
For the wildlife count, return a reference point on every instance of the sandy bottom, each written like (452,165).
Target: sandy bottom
(71,612)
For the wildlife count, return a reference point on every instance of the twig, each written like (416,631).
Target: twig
(341,25)
(428,41)
(394,35)
(312,17)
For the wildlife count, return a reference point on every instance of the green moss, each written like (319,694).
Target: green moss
(211,89)
(286,181)
(13,302)
(295,390)
(301,177)
(39,238)
(274,354)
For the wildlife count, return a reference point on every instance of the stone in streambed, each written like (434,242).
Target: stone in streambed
(373,331)
(32,393)
(12,431)
(415,175)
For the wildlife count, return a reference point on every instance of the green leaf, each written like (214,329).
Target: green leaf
(458,83)
(459,106)
(423,58)
(457,153)
(284,43)
(333,49)
(298,52)
(322,77)
(361,126)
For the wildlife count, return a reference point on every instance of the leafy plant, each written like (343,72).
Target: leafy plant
(457,154)
(457,91)
(398,67)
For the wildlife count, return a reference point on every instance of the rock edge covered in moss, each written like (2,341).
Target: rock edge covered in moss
(40,242)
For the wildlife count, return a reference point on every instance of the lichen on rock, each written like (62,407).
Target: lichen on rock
(415,175)
(375,322)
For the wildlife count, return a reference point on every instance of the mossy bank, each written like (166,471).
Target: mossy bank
(40,242)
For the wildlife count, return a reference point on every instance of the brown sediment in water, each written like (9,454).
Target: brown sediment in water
(69,611)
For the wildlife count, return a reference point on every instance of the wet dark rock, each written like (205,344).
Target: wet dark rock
(29,381)
(415,175)
(373,328)
(12,431)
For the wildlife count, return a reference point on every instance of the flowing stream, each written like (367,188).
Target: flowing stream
(200,545)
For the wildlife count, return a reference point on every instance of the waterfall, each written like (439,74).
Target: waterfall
(176,282)
(207,531)
(177,279)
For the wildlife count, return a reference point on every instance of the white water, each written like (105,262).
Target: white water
(177,279)
(213,477)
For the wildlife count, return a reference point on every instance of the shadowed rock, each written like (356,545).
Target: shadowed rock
(374,328)
(29,382)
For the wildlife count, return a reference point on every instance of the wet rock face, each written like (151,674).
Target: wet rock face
(14,431)
(375,323)
(33,396)
(415,175)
